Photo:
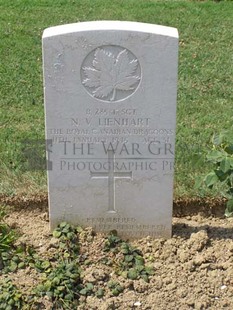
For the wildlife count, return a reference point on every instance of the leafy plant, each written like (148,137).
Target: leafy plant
(7,239)
(132,266)
(7,236)
(115,288)
(112,242)
(22,256)
(61,281)
(61,285)
(68,239)
(60,273)
(100,293)
(87,289)
(10,297)
(221,156)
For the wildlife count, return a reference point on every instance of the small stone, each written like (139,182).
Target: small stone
(99,275)
(223,287)
(171,287)
(205,266)
(181,292)
(82,299)
(45,216)
(129,284)
(167,280)
(191,302)
(53,243)
(137,304)
(157,266)
(88,277)
(14,225)
(140,286)
(183,256)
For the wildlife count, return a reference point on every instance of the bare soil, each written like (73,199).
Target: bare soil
(193,269)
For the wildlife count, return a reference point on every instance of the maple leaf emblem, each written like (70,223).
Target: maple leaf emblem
(111,73)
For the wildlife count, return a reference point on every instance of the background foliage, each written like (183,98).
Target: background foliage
(205,77)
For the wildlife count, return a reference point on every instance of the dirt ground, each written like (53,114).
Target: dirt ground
(193,269)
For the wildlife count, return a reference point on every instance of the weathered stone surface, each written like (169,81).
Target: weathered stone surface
(110,103)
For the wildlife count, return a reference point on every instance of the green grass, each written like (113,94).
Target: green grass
(205,77)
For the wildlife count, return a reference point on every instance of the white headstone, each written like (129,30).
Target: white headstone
(110,103)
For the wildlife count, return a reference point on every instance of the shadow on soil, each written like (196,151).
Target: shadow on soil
(206,207)
(214,232)
(182,207)
(185,207)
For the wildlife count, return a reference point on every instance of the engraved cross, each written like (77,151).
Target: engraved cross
(111,175)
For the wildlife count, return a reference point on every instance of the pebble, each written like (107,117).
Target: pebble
(99,275)
(140,286)
(137,304)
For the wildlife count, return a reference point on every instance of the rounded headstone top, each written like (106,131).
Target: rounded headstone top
(110,25)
